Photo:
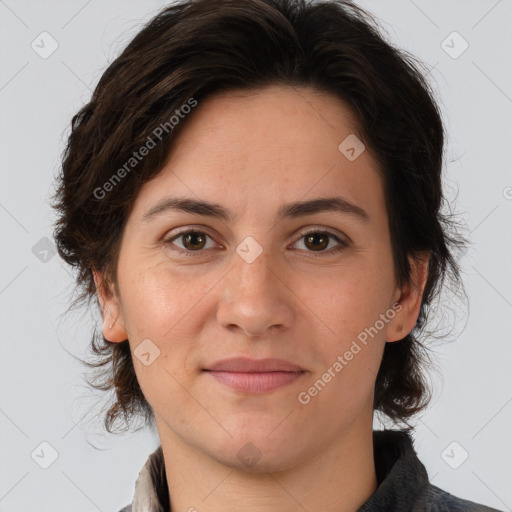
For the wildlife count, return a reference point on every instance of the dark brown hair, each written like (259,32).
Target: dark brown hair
(196,48)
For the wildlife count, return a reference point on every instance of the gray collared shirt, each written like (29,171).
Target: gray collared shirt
(403,484)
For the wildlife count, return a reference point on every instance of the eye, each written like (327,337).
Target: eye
(318,241)
(315,241)
(191,240)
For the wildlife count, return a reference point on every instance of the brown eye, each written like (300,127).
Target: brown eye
(317,241)
(189,241)
(193,240)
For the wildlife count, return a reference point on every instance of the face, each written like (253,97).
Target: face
(311,285)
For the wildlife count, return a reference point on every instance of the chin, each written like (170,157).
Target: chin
(258,454)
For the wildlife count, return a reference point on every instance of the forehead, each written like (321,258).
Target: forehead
(279,143)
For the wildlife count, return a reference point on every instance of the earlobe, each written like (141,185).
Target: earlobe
(396,332)
(115,332)
(113,326)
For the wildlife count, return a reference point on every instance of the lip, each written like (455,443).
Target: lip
(255,375)
(248,365)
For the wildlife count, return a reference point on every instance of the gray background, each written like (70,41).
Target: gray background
(44,397)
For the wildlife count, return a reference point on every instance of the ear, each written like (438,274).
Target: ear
(111,312)
(409,298)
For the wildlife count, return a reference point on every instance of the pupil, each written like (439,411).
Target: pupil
(312,238)
(191,239)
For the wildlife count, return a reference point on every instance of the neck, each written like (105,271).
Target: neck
(339,478)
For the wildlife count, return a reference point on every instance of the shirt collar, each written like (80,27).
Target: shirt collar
(400,477)
(151,491)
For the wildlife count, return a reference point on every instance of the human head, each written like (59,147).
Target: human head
(196,50)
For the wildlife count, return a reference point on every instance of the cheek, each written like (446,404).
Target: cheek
(357,312)
(159,301)
(351,350)
(353,299)
(160,305)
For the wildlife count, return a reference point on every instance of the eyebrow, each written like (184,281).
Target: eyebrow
(291,210)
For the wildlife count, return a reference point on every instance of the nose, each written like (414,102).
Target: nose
(256,298)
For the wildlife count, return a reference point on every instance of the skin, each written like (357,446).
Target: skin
(267,148)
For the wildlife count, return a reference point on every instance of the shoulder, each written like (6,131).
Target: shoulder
(403,482)
(435,499)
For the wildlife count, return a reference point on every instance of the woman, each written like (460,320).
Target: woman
(254,196)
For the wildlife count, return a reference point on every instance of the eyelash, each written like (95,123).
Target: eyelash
(342,244)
